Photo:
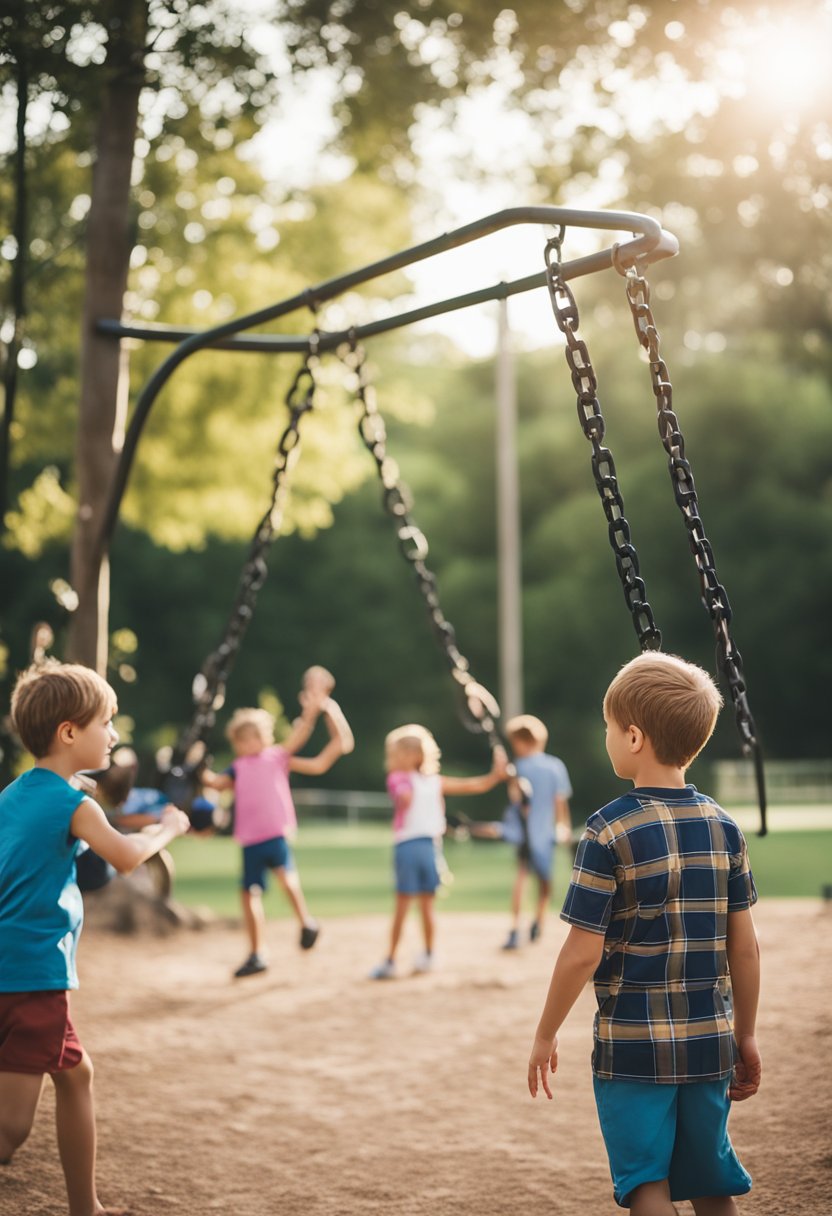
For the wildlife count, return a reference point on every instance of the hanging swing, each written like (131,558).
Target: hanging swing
(584,380)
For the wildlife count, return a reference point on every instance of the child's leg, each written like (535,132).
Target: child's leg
(19,1097)
(544,891)
(290,882)
(75,1122)
(652,1199)
(517,895)
(715,1205)
(426,907)
(399,917)
(255,919)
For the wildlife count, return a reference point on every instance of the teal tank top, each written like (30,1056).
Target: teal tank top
(41,911)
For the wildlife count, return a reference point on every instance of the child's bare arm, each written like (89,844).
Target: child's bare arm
(744,966)
(576,964)
(563,820)
(313,766)
(302,727)
(481,784)
(341,742)
(216,781)
(125,852)
(338,726)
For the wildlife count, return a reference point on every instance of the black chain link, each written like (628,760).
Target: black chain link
(481,711)
(209,684)
(603,466)
(714,595)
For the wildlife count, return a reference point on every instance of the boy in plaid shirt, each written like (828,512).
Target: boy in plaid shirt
(660,913)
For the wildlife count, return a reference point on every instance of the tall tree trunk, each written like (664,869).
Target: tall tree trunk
(108,259)
(18,300)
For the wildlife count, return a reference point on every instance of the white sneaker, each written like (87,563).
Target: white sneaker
(424,962)
(384,971)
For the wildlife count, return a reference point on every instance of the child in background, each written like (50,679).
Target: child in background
(548,819)
(264,813)
(417,790)
(660,909)
(63,715)
(538,828)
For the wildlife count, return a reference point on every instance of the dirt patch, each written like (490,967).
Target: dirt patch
(311,1091)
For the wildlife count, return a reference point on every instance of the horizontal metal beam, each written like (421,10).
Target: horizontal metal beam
(649,243)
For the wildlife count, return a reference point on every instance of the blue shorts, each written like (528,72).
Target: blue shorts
(678,1132)
(266,855)
(415,862)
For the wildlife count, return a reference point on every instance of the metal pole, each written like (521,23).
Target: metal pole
(509,572)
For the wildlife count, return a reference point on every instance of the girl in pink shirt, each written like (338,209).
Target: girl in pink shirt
(417,790)
(264,813)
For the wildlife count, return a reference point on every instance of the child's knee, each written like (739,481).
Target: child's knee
(15,1126)
(77,1078)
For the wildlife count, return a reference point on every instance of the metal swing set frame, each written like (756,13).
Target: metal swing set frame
(648,243)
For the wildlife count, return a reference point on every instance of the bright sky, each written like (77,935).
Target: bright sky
(778,63)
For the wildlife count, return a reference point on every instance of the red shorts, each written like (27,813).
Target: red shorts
(36,1035)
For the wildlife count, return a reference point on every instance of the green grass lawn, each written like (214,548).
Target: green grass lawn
(348,870)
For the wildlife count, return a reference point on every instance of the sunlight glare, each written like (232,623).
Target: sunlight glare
(787,64)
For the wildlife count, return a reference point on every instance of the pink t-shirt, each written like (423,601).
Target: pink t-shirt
(263,806)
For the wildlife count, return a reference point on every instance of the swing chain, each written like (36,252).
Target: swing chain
(482,712)
(208,687)
(593,424)
(714,595)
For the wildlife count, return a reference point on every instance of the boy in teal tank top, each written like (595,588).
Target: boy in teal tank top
(63,715)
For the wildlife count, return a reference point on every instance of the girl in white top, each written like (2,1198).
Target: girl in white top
(417,790)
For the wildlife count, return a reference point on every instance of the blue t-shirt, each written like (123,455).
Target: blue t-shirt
(41,911)
(548,779)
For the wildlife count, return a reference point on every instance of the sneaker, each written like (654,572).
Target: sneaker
(308,936)
(512,942)
(534,932)
(424,962)
(384,971)
(253,965)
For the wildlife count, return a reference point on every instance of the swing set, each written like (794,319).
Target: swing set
(479,709)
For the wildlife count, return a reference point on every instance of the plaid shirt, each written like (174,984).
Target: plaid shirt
(657,872)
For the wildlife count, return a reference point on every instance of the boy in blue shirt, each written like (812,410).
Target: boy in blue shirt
(659,906)
(63,714)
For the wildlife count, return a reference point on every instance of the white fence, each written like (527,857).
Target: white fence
(352,806)
(793,782)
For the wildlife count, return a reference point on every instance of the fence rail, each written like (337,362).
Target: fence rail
(797,782)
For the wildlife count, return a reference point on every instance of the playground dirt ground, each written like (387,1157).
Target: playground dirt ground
(312,1091)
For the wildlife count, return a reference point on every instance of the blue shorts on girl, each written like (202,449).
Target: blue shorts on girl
(415,864)
(265,855)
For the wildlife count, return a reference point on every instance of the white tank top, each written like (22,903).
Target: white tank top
(426,814)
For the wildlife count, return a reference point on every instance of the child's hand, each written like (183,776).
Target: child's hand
(747,1071)
(499,763)
(544,1058)
(175,820)
(317,680)
(563,833)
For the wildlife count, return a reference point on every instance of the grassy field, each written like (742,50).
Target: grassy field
(348,869)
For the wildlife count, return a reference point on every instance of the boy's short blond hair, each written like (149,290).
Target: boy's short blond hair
(528,729)
(50,693)
(675,704)
(257,721)
(417,740)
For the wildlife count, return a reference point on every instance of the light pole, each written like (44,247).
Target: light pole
(509,573)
